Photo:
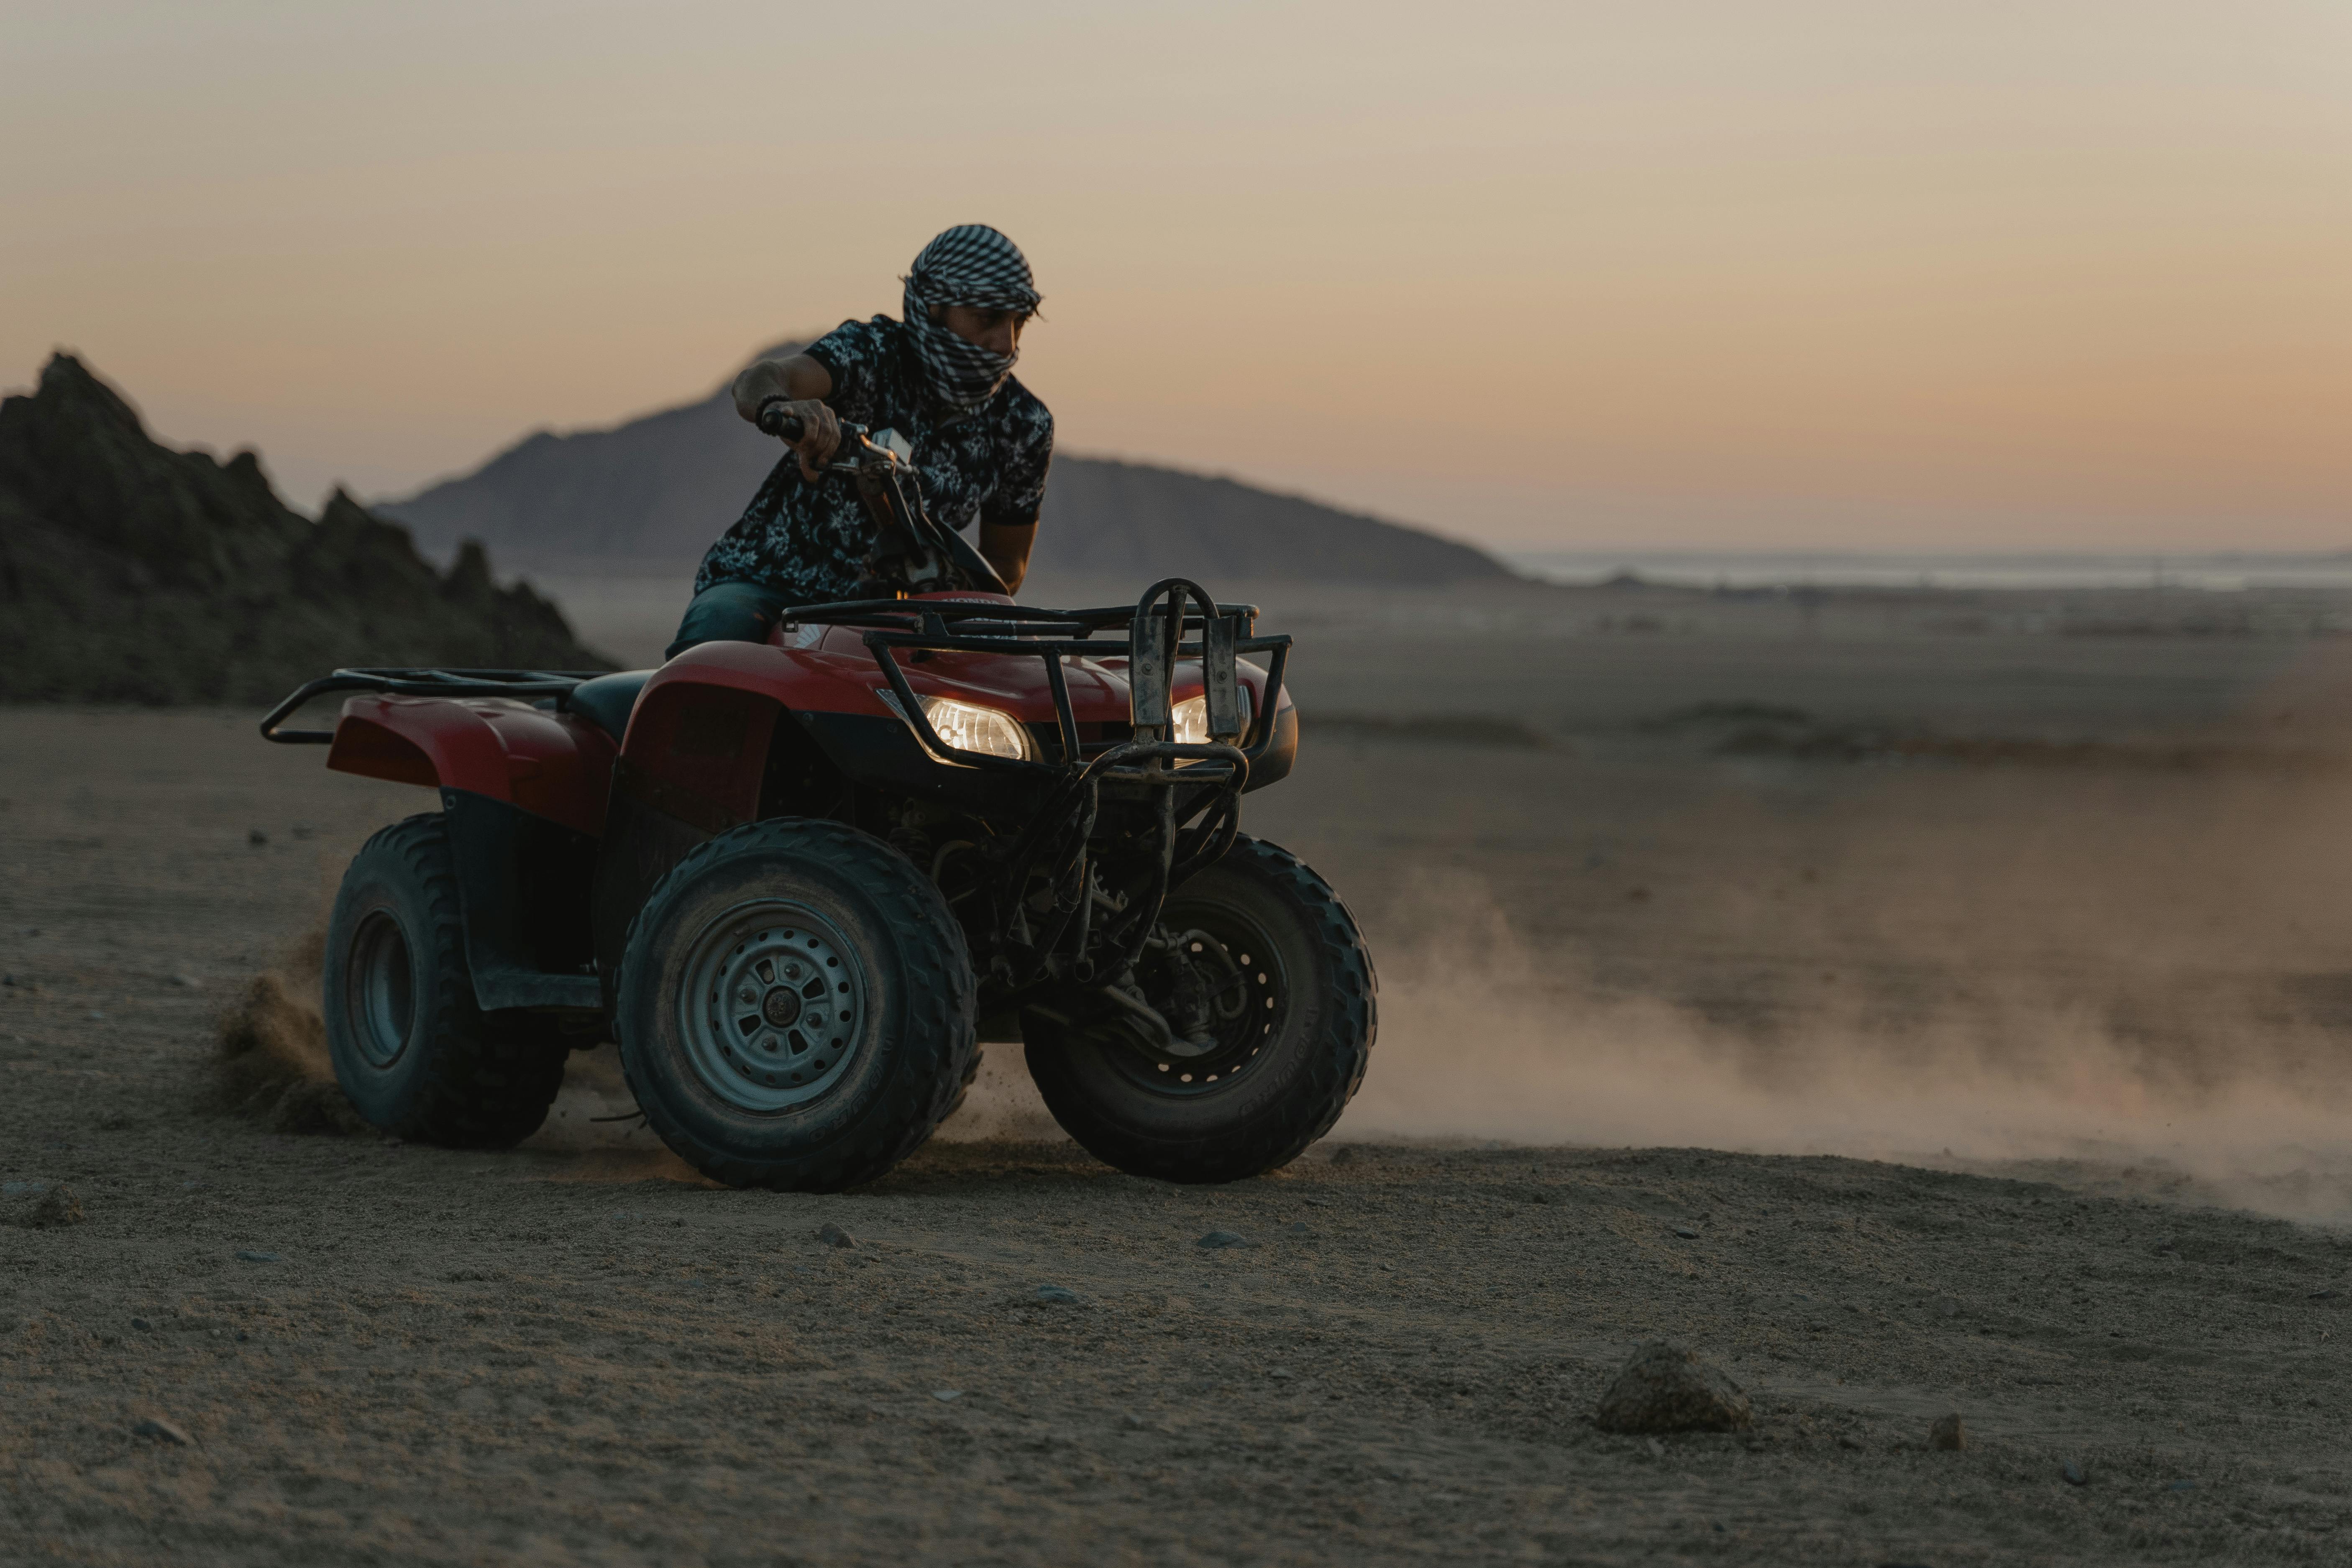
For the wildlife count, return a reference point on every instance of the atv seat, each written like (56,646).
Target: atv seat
(607,700)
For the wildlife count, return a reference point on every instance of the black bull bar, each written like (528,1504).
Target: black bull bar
(1175,620)
(1156,626)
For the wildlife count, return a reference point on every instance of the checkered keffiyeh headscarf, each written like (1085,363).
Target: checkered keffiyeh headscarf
(971,264)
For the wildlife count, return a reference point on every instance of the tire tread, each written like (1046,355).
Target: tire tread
(938,1017)
(1337,1057)
(488,1077)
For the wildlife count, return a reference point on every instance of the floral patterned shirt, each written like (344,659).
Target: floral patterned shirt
(808,542)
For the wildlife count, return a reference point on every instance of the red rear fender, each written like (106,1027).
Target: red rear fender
(549,765)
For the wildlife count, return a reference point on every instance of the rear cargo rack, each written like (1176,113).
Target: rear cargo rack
(519,684)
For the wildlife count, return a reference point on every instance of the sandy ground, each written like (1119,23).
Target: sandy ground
(2036,1070)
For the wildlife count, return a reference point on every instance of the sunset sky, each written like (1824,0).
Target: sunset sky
(2061,274)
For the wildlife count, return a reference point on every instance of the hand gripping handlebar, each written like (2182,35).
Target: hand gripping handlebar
(775,422)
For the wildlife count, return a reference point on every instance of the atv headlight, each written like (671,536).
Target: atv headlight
(969,727)
(1187,722)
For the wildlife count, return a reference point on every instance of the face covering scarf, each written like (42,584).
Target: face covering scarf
(971,264)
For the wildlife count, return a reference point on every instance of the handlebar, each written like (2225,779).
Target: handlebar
(891,493)
(777,422)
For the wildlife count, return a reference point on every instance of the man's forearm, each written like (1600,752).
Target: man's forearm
(797,378)
(1007,550)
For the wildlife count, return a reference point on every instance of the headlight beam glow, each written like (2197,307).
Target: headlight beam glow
(969,727)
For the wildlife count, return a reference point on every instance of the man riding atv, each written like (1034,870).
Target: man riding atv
(868,813)
(979,442)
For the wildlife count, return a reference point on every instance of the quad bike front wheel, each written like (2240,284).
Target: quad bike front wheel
(795,1006)
(410,1046)
(1261,965)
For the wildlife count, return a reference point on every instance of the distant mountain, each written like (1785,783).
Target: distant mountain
(659,488)
(130,573)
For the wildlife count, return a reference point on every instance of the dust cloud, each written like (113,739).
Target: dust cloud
(1484,1036)
(1001,1105)
(2058,984)
(270,1061)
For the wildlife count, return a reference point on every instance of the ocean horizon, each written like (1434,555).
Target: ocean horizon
(2215,571)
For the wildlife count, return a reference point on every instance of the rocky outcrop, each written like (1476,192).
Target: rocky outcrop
(131,572)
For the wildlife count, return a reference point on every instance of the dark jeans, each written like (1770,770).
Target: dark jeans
(729,612)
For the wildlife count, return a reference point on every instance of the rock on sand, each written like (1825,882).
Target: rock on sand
(56,1206)
(1667,1388)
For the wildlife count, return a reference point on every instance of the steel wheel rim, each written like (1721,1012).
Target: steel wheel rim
(771,1005)
(1264,1009)
(382,994)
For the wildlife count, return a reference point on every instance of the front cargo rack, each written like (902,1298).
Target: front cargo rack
(1157,625)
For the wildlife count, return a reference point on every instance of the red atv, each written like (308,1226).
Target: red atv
(796,882)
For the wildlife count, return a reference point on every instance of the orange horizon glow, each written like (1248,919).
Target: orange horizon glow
(1827,274)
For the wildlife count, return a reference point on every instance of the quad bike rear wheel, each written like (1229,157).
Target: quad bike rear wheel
(795,1006)
(411,1048)
(1259,960)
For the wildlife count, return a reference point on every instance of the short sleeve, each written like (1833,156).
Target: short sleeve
(851,354)
(1020,488)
